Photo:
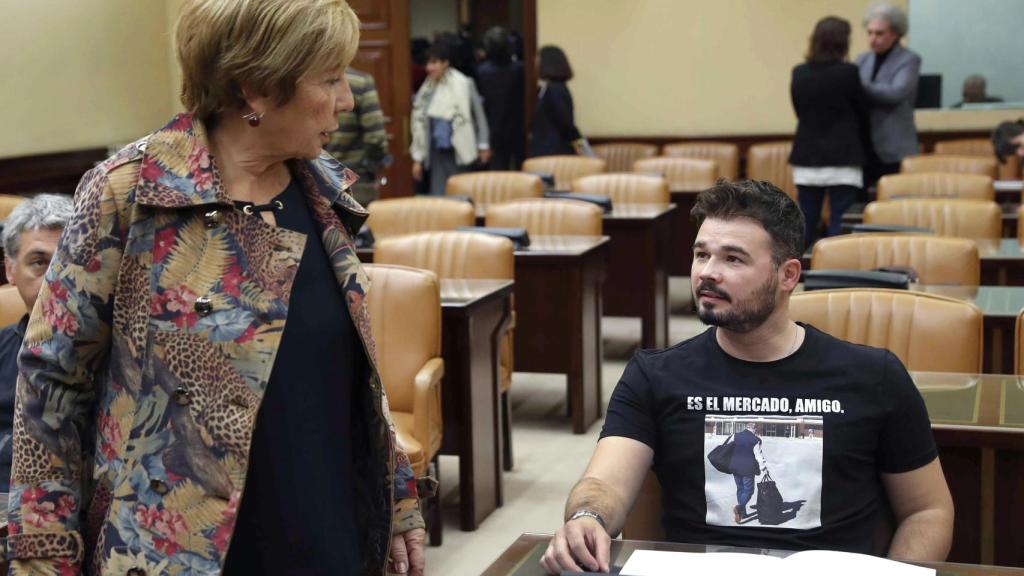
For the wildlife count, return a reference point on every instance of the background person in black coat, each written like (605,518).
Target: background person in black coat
(833,138)
(499,79)
(553,129)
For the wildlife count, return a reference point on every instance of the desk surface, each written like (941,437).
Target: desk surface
(459,292)
(994,301)
(562,245)
(619,211)
(523,556)
(993,402)
(1008,185)
(1001,249)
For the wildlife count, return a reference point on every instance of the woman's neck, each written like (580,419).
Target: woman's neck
(247,174)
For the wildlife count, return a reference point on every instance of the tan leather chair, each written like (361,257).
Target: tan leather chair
(405,317)
(462,255)
(769,161)
(960,218)
(397,216)
(547,217)
(565,168)
(927,332)
(643,522)
(681,173)
(1020,229)
(12,307)
(936,184)
(950,163)
(1010,170)
(1018,353)
(725,154)
(7,204)
(935,259)
(485,188)
(625,188)
(619,156)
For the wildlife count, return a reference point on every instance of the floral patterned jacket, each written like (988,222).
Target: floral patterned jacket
(146,358)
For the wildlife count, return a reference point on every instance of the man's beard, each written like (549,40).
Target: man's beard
(743,317)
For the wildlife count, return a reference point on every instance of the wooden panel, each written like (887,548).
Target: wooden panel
(384,53)
(56,172)
(373,14)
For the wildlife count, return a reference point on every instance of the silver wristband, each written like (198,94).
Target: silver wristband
(584,513)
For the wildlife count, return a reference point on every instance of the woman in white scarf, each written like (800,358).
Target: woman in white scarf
(449,127)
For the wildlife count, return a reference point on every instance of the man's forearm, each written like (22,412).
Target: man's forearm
(923,536)
(594,495)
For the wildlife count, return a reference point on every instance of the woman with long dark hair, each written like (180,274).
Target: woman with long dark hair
(553,129)
(833,139)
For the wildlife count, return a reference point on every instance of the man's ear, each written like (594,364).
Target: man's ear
(9,268)
(789,274)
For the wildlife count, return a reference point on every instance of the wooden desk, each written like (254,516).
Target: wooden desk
(1008,190)
(559,282)
(1002,262)
(522,558)
(640,252)
(978,422)
(475,316)
(684,231)
(855,215)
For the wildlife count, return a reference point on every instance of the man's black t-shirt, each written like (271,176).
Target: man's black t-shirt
(830,417)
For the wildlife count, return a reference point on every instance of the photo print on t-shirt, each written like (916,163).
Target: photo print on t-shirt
(763,471)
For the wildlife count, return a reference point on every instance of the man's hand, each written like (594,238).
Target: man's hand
(578,544)
(485,155)
(407,554)
(417,171)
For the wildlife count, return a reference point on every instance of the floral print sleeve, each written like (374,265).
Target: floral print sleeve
(65,344)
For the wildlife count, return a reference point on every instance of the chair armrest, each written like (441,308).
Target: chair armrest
(427,405)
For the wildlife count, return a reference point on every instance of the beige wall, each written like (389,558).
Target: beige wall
(698,67)
(81,74)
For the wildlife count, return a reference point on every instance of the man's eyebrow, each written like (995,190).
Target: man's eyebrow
(726,247)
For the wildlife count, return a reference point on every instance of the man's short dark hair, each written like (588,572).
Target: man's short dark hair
(554,65)
(439,50)
(762,202)
(497,45)
(1002,139)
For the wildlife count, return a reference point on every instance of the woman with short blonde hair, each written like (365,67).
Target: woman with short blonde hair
(198,390)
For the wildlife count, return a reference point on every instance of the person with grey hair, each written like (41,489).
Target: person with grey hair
(30,238)
(889,73)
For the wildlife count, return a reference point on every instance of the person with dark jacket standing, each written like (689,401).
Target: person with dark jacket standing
(744,467)
(499,79)
(833,134)
(553,129)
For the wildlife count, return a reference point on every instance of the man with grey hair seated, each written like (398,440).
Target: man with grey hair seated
(889,73)
(30,238)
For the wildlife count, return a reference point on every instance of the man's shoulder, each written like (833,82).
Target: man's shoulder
(656,357)
(831,348)
(359,81)
(10,338)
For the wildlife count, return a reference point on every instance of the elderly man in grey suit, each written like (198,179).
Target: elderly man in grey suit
(889,74)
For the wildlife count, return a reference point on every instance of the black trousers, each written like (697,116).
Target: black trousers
(811,199)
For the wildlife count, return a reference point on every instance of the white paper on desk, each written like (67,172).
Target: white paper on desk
(661,563)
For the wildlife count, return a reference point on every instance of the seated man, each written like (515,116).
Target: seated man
(1008,140)
(840,427)
(30,238)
